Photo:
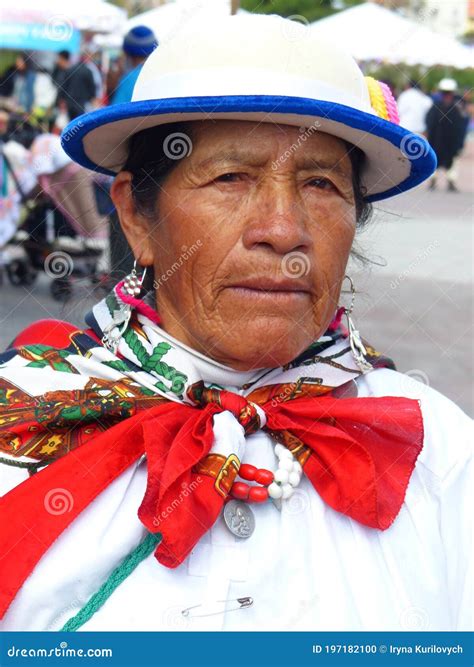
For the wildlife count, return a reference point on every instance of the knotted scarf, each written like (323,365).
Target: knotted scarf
(156,398)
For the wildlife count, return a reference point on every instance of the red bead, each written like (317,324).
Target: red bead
(240,490)
(247,471)
(258,494)
(264,477)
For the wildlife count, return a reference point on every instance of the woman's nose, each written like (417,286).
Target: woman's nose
(278,221)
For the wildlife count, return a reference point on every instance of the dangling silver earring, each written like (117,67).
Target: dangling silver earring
(133,284)
(114,331)
(357,346)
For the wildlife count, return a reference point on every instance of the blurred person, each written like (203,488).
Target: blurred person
(61,66)
(68,185)
(138,43)
(114,74)
(91,54)
(45,92)
(466,110)
(76,85)
(24,82)
(17,179)
(413,105)
(7,81)
(446,131)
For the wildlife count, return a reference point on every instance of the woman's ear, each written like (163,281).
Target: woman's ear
(135,227)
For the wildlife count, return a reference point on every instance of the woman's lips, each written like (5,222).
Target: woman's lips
(280,291)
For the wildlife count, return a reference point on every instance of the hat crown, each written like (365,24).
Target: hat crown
(252,54)
(263,69)
(447,85)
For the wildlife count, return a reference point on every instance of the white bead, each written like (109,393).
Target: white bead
(278,449)
(287,491)
(297,467)
(294,479)
(281,476)
(275,491)
(285,464)
(286,454)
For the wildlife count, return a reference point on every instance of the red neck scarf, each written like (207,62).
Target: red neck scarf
(358,453)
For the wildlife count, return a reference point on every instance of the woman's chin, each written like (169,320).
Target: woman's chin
(252,350)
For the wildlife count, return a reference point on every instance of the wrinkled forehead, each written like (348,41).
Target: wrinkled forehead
(254,143)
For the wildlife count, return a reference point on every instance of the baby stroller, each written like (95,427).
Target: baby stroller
(46,242)
(65,230)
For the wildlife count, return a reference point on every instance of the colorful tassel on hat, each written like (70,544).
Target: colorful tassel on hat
(382,100)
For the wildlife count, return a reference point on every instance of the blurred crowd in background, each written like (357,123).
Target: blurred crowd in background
(47,202)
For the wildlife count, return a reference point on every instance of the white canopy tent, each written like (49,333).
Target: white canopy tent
(166,20)
(371,32)
(90,15)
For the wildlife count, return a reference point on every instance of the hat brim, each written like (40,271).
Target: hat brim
(397,159)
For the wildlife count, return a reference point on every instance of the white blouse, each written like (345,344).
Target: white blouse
(307,567)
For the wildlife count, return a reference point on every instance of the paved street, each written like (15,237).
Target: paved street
(417,307)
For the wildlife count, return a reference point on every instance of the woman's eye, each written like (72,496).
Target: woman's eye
(231,177)
(322,183)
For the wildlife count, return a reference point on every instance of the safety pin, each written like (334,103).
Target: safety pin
(243,602)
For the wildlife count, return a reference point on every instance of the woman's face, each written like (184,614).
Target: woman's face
(253,235)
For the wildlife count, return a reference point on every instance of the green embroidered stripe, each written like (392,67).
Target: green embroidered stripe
(117,365)
(112,303)
(152,364)
(121,572)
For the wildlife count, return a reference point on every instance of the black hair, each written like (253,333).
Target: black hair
(64,54)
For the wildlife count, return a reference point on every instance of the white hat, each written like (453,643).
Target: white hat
(447,85)
(259,68)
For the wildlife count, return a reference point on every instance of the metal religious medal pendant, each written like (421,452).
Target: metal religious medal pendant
(239,518)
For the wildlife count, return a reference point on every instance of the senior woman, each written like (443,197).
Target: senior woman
(221,451)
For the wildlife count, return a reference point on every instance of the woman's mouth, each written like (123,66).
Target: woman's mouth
(282,290)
